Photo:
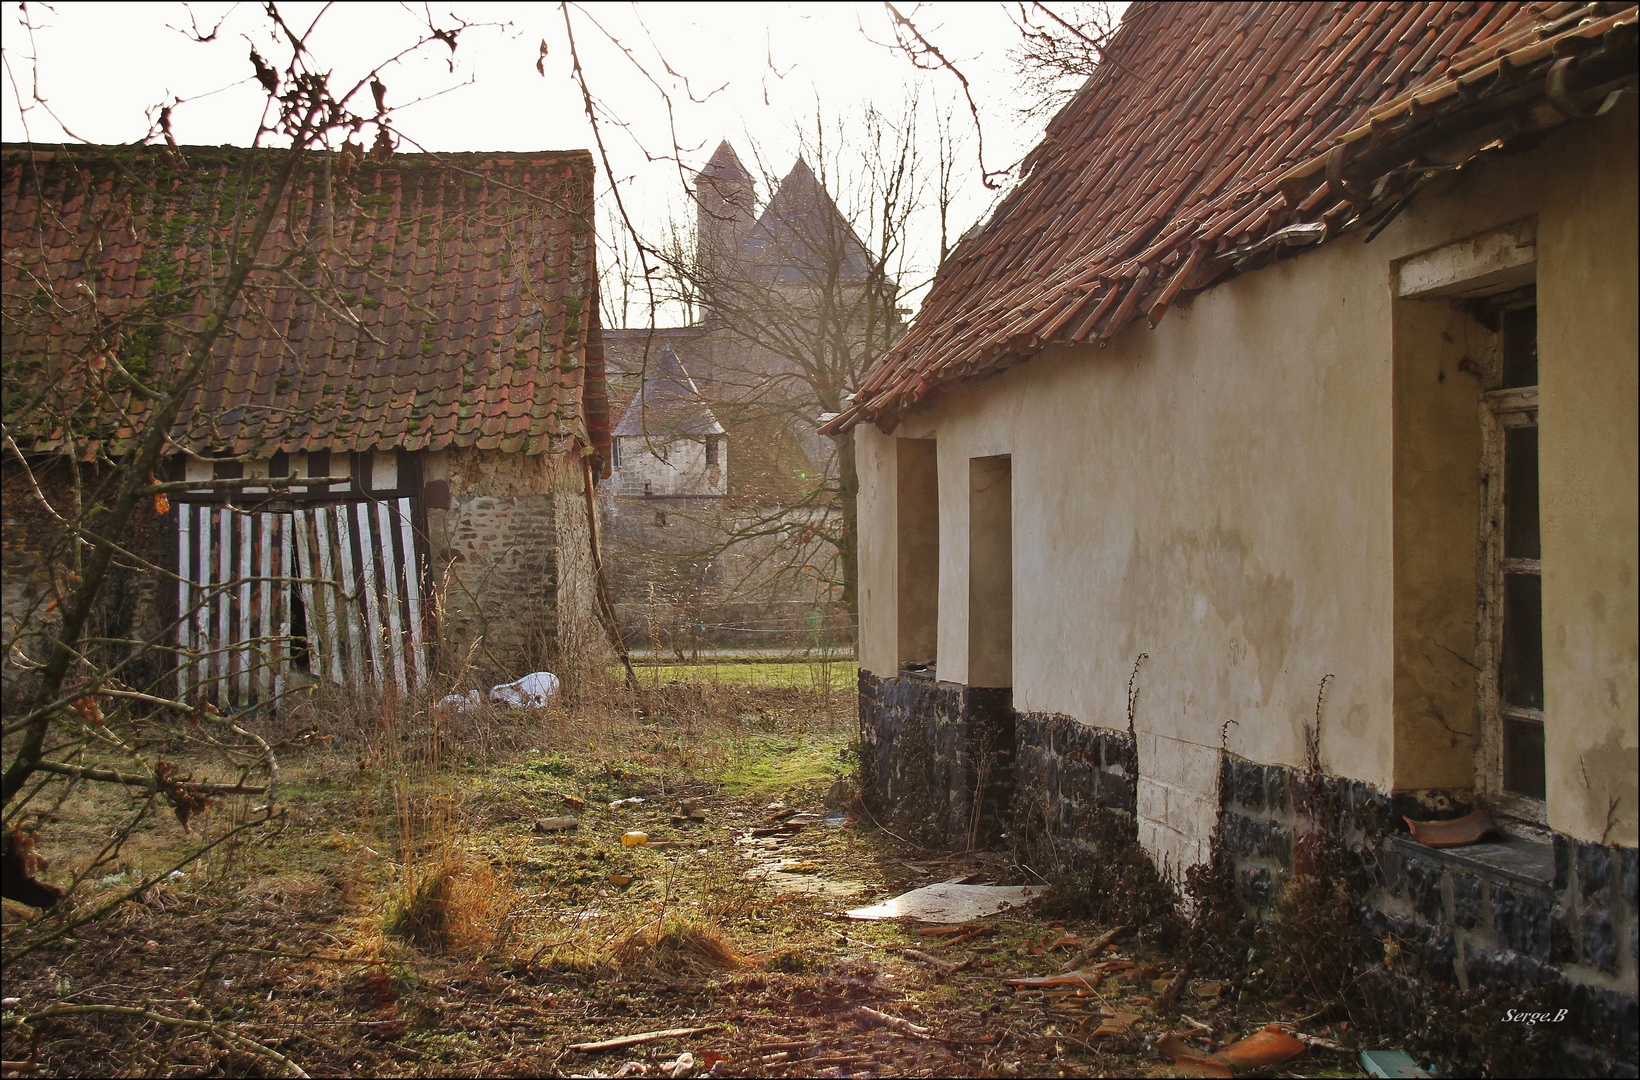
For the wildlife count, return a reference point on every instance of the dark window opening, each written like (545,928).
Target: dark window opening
(1523,772)
(660,519)
(1521,674)
(615,451)
(1520,581)
(318,464)
(711,452)
(1520,351)
(1520,494)
(648,487)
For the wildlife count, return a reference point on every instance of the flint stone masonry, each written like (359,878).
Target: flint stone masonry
(1561,915)
(1071,782)
(940,753)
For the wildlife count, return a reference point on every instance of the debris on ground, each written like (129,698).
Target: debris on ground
(949,902)
(556,824)
(1391,1065)
(641,1037)
(529,692)
(872,1018)
(1270,1046)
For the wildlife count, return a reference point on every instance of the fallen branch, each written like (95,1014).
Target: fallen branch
(220,1032)
(640,1037)
(1093,950)
(147,783)
(932,961)
(892,1023)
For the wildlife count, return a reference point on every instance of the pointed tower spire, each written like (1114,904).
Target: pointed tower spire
(725,207)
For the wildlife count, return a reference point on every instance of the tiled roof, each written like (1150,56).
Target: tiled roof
(801,238)
(437,300)
(1216,137)
(669,403)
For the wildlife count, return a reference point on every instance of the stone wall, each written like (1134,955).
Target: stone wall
(932,751)
(1559,915)
(1072,783)
(499,560)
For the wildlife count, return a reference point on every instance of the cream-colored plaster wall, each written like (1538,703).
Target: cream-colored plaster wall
(1437,519)
(876,463)
(1587,332)
(1218,495)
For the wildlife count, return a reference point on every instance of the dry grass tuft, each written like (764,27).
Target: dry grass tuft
(455,905)
(678,947)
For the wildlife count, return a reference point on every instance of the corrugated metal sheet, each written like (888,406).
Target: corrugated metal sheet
(1217,136)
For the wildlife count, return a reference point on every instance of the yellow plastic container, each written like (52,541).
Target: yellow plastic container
(635,838)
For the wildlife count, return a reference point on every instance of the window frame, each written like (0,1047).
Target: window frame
(1501,409)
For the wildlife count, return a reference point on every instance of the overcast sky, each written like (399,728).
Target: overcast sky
(749,73)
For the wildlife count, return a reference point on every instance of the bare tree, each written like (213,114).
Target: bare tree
(96,378)
(801,301)
(1060,46)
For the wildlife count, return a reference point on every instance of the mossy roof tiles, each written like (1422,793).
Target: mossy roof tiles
(381,330)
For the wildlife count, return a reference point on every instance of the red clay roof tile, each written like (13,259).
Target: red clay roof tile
(392,334)
(1209,130)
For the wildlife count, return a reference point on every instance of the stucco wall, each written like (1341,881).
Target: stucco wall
(1587,333)
(1220,494)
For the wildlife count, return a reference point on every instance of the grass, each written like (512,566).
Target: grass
(407,916)
(773,764)
(842,676)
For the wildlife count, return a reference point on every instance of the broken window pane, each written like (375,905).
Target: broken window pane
(1520,361)
(1523,772)
(1520,494)
(1521,674)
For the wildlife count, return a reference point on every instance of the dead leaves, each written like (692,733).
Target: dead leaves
(184,803)
(90,711)
(265,75)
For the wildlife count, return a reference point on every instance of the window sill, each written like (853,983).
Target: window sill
(1526,861)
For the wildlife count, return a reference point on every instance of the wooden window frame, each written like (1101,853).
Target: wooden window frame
(1500,410)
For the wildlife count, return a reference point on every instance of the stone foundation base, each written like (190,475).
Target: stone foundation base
(960,763)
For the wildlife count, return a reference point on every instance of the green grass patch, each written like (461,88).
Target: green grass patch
(841,675)
(770,763)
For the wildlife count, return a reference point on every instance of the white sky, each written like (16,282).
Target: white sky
(104,68)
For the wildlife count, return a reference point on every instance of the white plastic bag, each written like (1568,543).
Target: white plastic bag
(530,692)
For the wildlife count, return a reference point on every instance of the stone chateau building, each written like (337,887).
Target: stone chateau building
(715,490)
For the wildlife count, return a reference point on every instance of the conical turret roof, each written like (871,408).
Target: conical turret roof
(669,404)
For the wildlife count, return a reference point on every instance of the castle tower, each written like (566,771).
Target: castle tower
(726,204)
